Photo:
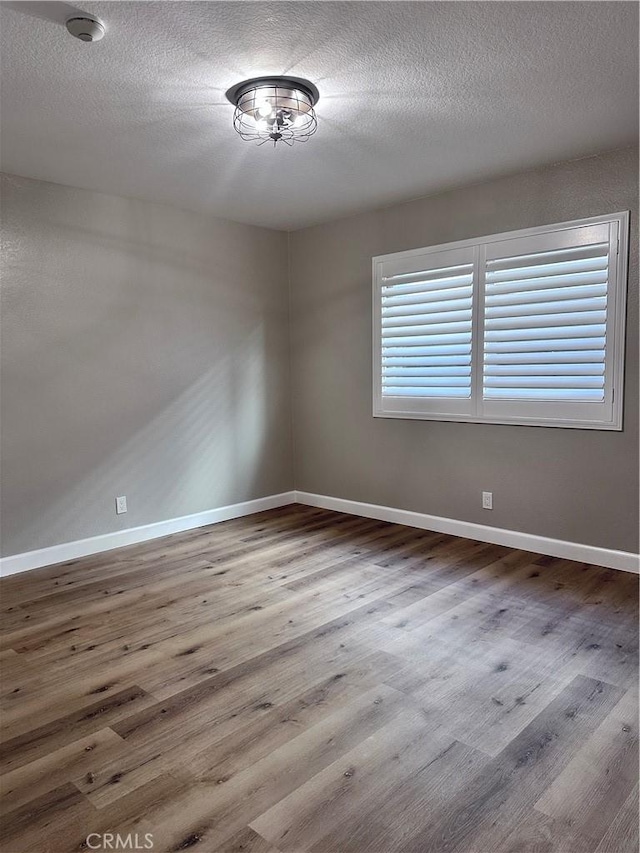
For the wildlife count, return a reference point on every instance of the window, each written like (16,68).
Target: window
(525,327)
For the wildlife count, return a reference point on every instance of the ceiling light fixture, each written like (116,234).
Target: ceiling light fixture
(279,109)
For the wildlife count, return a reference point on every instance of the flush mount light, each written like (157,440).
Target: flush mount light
(279,109)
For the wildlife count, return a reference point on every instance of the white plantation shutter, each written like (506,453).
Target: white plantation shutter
(547,302)
(526,327)
(425,317)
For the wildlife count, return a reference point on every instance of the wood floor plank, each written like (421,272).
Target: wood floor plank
(56,768)
(622,834)
(260,737)
(216,738)
(601,775)
(391,760)
(215,810)
(538,833)
(213,688)
(37,742)
(65,801)
(392,823)
(67,830)
(246,841)
(492,694)
(495,800)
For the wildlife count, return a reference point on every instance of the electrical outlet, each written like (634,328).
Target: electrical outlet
(121,504)
(487,500)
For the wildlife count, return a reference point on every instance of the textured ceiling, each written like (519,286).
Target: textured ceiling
(415,98)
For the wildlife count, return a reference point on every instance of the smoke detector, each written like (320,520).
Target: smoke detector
(86,29)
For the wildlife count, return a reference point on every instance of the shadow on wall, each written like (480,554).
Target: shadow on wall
(204,450)
(144,354)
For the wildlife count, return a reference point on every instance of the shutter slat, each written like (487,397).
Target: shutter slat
(546,323)
(439,318)
(424,297)
(567,381)
(435,360)
(425,340)
(579,265)
(398,391)
(519,370)
(428,382)
(540,288)
(429,274)
(426,286)
(553,256)
(519,284)
(443,306)
(554,358)
(558,308)
(546,345)
(566,293)
(545,333)
(579,395)
(443,370)
(434,351)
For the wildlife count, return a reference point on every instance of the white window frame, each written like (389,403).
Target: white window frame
(525,413)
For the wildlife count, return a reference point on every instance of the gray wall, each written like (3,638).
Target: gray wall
(578,485)
(145,353)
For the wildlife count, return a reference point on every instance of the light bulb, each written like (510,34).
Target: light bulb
(300,120)
(261,125)
(264,109)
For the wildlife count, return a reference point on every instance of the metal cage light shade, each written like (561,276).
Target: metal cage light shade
(276,109)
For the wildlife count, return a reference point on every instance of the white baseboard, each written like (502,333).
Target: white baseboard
(623,560)
(108,541)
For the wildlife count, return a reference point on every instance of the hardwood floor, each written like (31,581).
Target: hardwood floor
(303,680)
